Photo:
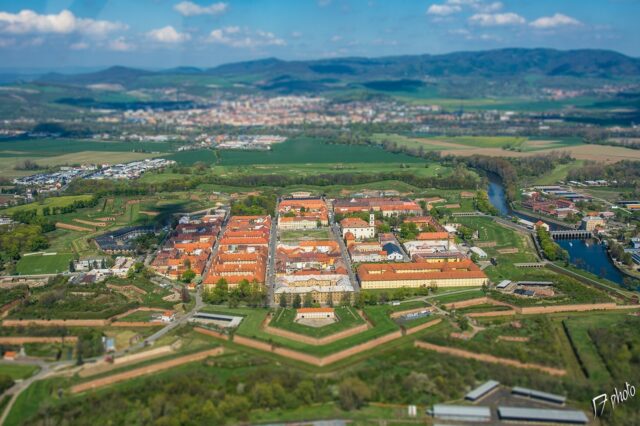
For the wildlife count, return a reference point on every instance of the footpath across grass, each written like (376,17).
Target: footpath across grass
(347,318)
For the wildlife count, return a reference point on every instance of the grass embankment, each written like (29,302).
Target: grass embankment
(347,318)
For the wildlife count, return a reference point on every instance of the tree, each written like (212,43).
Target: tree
(308,300)
(283,301)
(353,394)
(184,295)
(244,288)
(297,301)
(188,276)
(346,299)
(408,230)
(234,298)
(220,292)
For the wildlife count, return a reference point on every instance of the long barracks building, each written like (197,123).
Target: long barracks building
(463,273)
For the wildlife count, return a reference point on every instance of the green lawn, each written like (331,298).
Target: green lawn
(253,319)
(312,234)
(44,264)
(285,319)
(18,371)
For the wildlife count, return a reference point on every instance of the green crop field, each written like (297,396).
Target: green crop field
(44,264)
(285,319)
(65,200)
(308,150)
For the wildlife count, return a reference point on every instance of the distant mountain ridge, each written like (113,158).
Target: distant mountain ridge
(490,64)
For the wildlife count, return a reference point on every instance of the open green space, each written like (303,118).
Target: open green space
(461,143)
(18,371)
(47,263)
(311,234)
(308,150)
(347,318)
(542,347)
(253,318)
(62,201)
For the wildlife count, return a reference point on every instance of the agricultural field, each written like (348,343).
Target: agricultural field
(62,201)
(308,150)
(67,152)
(507,146)
(44,263)
(347,318)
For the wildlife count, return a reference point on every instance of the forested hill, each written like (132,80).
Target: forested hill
(490,69)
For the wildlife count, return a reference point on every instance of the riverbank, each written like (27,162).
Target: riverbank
(590,258)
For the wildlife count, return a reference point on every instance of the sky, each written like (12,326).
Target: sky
(155,34)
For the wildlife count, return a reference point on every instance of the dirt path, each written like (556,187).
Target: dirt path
(142,371)
(490,358)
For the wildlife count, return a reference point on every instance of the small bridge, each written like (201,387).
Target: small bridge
(571,234)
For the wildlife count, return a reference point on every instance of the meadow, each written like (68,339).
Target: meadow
(48,263)
(347,318)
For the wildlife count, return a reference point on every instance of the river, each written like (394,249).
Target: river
(588,255)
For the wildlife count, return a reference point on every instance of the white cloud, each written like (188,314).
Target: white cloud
(244,38)
(443,9)
(65,22)
(121,45)
(188,8)
(557,20)
(450,7)
(323,3)
(497,19)
(490,7)
(336,38)
(296,34)
(6,42)
(81,45)
(168,34)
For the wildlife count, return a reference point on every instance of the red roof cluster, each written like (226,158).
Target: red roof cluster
(188,247)
(242,253)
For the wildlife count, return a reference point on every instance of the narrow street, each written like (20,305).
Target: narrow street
(270,280)
(345,255)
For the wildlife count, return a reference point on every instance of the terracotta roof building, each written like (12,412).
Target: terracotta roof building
(462,273)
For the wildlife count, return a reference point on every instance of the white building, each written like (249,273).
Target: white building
(360,229)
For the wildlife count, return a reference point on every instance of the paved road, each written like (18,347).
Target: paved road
(49,369)
(345,255)
(271,262)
